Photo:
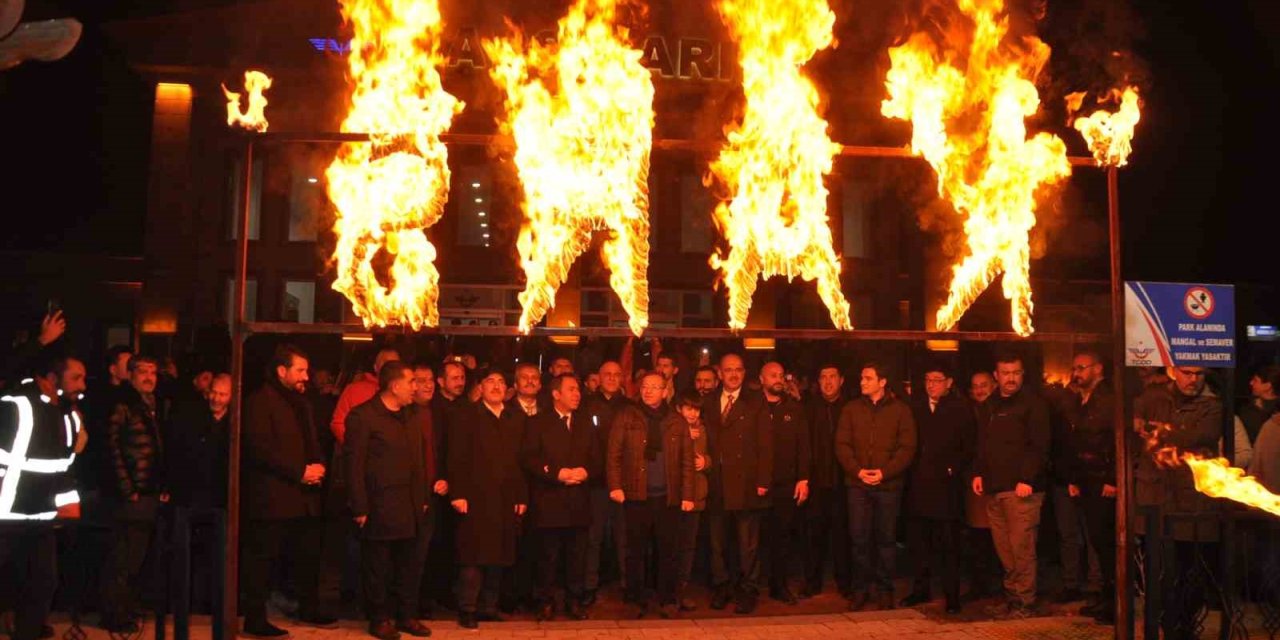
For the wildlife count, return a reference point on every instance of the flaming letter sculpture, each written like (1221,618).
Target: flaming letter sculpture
(581,113)
(254,118)
(1110,135)
(389,190)
(967,110)
(775,159)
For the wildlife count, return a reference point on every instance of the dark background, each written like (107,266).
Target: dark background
(1197,199)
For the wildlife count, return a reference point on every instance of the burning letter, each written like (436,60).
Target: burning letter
(254,118)
(389,190)
(581,112)
(775,159)
(967,110)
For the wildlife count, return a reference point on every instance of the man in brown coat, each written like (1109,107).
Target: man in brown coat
(488,488)
(650,471)
(875,444)
(740,438)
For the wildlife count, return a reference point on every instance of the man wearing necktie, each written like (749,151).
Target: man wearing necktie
(740,440)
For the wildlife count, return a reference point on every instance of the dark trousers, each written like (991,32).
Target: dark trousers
(518,580)
(984,570)
(263,543)
(780,533)
(1100,522)
(441,574)
(825,516)
(606,526)
(557,544)
(478,588)
(688,545)
(646,521)
(121,575)
(391,573)
(934,546)
(742,527)
(873,524)
(29,561)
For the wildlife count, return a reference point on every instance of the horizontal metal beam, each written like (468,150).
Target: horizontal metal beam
(332,328)
(482,139)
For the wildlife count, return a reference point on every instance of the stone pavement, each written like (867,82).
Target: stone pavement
(904,624)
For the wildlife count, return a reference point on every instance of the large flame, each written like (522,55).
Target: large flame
(967,106)
(775,159)
(581,112)
(1109,134)
(1214,477)
(389,190)
(254,117)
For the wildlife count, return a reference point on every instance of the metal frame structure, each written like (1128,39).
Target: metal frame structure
(240,330)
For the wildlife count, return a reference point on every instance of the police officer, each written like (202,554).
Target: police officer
(37,443)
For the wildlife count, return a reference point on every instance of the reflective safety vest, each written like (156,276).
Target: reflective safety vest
(37,449)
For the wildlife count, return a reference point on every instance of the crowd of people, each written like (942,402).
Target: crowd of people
(481,490)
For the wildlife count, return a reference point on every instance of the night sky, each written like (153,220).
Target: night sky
(1197,199)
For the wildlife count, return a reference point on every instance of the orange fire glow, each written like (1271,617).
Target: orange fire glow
(1214,477)
(967,106)
(389,190)
(581,112)
(1109,134)
(776,158)
(254,117)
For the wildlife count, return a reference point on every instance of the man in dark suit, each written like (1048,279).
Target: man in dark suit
(283,473)
(740,439)
(946,437)
(488,488)
(559,454)
(826,513)
(387,490)
(792,462)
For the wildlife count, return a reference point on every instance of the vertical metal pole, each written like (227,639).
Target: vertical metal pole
(1227,545)
(231,566)
(1123,584)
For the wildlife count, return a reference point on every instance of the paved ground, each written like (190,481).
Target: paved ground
(873,625)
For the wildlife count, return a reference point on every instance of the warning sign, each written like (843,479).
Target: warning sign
(1169,324)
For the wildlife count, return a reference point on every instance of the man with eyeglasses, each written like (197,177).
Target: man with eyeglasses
(1011,467)
(934,506)
(1091,472)
(1186,415)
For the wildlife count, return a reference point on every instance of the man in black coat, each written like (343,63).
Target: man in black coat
(792,463)
(1011,466)
(488,488)
(606,516)
(196,459)
(134,451)
(560,454)
(740,440)
(283,473)
(387,490)
(1091,472)
(826,513)
(935,487)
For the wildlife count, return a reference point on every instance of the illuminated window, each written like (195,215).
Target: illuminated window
(235,199)
(473,188)
(299,301)
(307,198)
(696,206)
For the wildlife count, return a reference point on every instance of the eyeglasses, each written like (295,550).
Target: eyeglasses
(935,380)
